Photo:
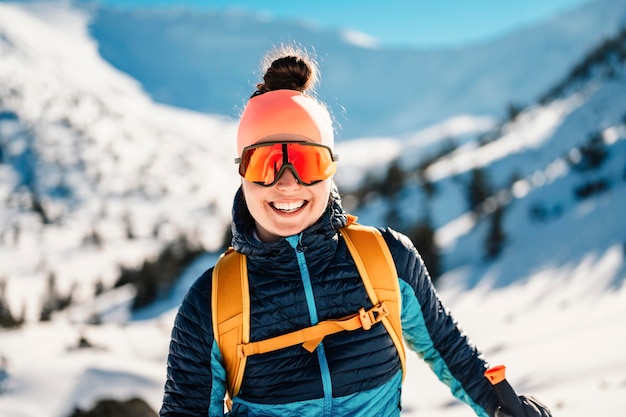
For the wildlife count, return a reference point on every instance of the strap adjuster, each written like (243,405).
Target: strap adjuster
(373,315)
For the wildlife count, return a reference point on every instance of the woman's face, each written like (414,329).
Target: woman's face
(287,207)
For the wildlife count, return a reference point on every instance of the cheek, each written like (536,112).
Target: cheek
(321,194)
(325,187)
(252,196)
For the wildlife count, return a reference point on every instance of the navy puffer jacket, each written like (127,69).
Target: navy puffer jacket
(299,281)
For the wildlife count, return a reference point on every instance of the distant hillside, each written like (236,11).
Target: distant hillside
(545,188)
(204,61)
(91,169)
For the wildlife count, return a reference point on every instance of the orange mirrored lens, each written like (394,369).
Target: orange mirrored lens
(264,163)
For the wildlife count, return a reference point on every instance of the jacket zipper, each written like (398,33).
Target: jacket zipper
(296,244)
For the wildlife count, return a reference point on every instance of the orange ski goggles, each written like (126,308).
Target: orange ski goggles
(264,163)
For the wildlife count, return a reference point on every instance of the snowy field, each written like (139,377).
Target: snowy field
(551,307)
(560,334)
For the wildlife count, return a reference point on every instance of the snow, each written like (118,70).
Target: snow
(550,307)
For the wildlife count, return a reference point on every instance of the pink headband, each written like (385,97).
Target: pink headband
(284,112)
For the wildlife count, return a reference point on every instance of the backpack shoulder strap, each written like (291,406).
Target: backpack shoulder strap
(230,304)
(380,278)
(230,307)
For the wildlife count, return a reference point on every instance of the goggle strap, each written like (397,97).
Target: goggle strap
(334,157)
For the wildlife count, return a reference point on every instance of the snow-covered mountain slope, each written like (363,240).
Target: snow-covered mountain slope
(91,169)
(85,152)
(535,170)
(202,60)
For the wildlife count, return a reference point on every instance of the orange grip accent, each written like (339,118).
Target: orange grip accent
(496,374)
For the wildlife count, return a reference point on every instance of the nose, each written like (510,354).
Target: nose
(287,180)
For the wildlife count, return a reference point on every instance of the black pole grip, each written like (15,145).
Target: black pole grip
(509,399)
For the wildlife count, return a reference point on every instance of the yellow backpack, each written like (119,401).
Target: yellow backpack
(231,305)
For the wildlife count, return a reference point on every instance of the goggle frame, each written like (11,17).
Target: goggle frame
(286,163)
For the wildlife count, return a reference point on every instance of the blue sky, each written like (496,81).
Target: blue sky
(423,23)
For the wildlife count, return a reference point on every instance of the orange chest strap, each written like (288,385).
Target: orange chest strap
(312,336)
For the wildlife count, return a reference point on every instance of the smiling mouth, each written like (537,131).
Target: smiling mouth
(290,207)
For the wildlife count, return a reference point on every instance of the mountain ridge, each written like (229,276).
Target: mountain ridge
(204,61)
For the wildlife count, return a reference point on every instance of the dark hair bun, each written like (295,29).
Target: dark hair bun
(290,69)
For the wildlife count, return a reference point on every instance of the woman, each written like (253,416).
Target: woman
(286,220)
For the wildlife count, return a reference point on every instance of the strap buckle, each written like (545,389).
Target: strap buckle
(373,315)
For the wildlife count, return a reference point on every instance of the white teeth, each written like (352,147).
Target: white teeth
(289,207)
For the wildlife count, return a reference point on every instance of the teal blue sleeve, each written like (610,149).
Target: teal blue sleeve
(218,386)
(418,339)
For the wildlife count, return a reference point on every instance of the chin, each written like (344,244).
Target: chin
(289,230)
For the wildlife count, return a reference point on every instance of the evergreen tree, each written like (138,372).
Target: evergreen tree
(156,276)
(478,190)
(50,301)
(394,180)
(428,186)
(128,226)
(495,238)
(53,301)
(7,319)
(393,218)
(98,288)
(513,110)
(593,153)
(423,237)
